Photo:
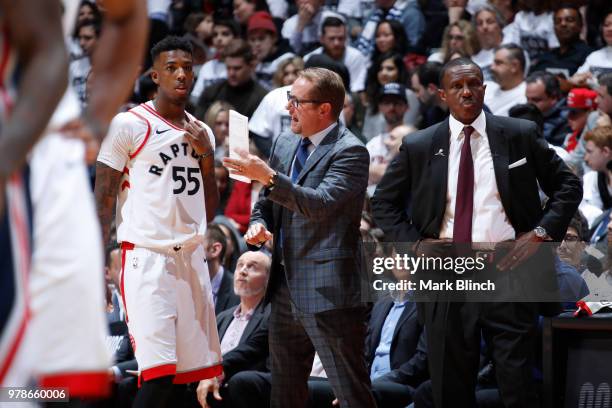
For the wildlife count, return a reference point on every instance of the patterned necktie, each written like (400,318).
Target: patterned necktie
(300,158)
(464,201)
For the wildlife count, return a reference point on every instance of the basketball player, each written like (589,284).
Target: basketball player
(157,164)
(66,285)
(31,34)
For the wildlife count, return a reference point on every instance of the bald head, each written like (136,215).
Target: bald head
(251,275)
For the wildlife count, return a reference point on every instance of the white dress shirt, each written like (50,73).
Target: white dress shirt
(489,222)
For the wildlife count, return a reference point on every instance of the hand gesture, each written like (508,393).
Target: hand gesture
(249,166)
(257,234)
(198,138)
(305,14)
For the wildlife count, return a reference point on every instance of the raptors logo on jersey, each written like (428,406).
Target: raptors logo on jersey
(161,198)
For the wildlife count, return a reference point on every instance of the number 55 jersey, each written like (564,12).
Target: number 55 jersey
(161,194)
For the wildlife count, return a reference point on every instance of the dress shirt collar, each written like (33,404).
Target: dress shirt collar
(456,127)
(246,316)
(317,138)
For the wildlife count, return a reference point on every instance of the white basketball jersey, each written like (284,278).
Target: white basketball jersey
(161,197)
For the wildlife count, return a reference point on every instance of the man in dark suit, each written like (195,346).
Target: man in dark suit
(482,191)
(396,355)
(243,329)
(314,191)
(221,280)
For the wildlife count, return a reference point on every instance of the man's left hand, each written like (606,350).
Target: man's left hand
(206,386)
(249,166)
(524,247)
(198,138)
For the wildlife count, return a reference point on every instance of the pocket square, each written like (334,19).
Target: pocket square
(518,163)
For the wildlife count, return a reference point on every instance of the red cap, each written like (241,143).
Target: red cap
(581,98)
(261,20)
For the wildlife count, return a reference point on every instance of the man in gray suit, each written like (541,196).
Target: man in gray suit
(315,187)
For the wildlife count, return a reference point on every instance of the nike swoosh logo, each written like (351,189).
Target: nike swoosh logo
(159,132)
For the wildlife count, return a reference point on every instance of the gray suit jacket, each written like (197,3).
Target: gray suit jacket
(319,217)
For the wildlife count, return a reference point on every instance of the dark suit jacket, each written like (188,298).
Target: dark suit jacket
(226,297)
(418,176)
(408,354)
(251,352)
(319,217)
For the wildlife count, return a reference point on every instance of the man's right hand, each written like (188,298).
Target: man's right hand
(257,234)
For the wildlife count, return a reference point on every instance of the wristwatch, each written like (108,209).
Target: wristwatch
(541,233)
(272,180)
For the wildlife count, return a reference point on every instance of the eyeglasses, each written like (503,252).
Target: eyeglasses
(571,238)
(295,102)
(456,37)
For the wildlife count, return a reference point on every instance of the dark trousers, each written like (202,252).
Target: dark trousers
(386,393)
(453,340)
(338,336)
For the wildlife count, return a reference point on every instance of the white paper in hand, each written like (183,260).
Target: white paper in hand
(238,138)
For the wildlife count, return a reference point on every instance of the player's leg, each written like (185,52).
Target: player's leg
(196,321)
(149,292)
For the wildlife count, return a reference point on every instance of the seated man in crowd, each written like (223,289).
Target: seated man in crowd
(393,104)
(572,51)
(597,183)
(262,36)
(221,280)
(544,91)
(425,81)
(333,40)
(240,88)
(570,264)
(243,329)
(396,357)
(508,86)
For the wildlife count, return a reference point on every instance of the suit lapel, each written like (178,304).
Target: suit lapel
(409,310)
(438,163)
(285,156)
(324,147)
(498,144)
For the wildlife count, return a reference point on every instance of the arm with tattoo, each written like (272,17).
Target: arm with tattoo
(106,189)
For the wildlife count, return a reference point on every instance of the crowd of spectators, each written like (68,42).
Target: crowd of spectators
(550,63)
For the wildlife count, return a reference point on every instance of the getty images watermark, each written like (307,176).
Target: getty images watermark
(445,271)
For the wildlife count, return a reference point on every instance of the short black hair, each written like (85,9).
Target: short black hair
(528,111)
(215,234)
(171,43)
(429,73)
(516,52)
(331,22)
(552,87)
(581,225)
(239,49)
(90,22)
(571,6)
(229,23)
(455,63)
(606,80)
